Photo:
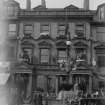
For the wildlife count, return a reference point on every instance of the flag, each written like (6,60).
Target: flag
(67,33)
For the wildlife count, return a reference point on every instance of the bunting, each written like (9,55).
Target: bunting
(67,33)
(71,52)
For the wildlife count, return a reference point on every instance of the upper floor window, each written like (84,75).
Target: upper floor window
(27,54)
(62,55)
(80,29)
(101,61)
(81,54)
(10,10)
(62,58)
(45,28)
(12,29)
(61,29)
(102,13)
(28,29)
(11,54)
(44,55)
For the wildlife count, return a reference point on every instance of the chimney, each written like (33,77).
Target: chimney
(86,4)
(28,4)
(43,3)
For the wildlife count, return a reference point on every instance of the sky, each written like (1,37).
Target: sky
(62,3)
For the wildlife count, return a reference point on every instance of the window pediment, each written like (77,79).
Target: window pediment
(12,3)
(100,49)
(20,67)
(45,37)
(44,44)
(27,44)
(61,44)
(28,39)
(100,46)
(71,7)
(80,44)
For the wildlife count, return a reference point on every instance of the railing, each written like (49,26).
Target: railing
(53,13)
(92,101)
(84,101)
(42,98)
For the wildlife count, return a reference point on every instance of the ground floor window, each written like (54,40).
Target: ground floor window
(46,84)
(41,83)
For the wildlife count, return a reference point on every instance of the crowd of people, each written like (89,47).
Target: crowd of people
(75,94)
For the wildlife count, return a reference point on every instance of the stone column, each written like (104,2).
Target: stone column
(90,84)
(29,86)
(46,84)
(70,78)
(34,82)
(57,84)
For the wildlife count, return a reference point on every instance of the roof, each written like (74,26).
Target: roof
(71,7)
(39,7)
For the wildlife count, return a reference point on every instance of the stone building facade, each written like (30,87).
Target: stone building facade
(37,37)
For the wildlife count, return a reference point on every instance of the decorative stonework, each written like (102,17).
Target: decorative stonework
(27,44)
(71,7)
(81,44)
(44,44)
(101,46)
(100,49)
(61,44)
(45,37)
(61,37)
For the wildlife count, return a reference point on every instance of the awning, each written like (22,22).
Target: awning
(20,67)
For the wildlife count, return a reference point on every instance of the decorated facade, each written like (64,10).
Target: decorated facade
(36,42)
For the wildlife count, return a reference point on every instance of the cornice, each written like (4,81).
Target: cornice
(54,13)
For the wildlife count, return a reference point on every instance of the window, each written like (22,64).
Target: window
(51,85)
(63,80)
(45,28)
(81,53)
(101,61)
(10,53)
(44,55)
(41,83)
(61,29)
(80,30)
(62,59)
(28,29)
(10,10)
(62,56)
(27,54)
(12,29)
(102,13)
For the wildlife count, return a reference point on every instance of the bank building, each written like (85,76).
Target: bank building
(50,47)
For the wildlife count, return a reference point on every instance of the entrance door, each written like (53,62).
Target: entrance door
(82,80)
